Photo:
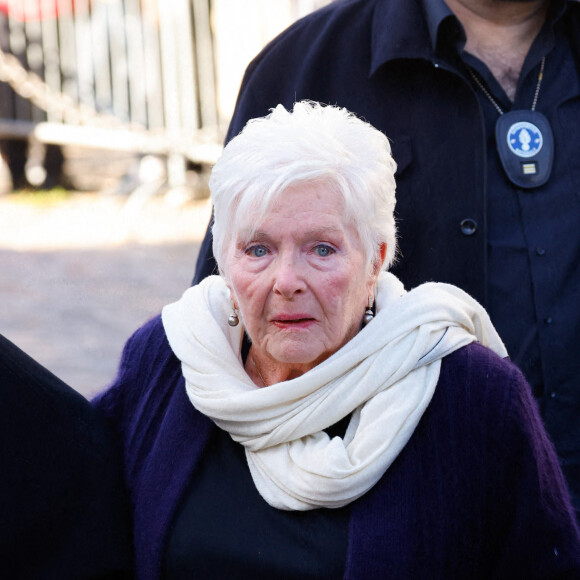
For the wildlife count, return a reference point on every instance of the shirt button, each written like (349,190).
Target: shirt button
(548,320)
(468,227)
(540,251)
(553,395)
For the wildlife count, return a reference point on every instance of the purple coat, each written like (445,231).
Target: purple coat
(476,493)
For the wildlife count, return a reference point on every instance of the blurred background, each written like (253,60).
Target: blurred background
(112,113)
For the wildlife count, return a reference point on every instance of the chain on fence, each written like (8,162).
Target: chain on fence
(31,87)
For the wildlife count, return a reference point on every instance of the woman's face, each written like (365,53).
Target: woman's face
(301,283)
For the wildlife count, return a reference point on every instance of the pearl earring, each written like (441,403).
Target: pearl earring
(369,314)
(233,318)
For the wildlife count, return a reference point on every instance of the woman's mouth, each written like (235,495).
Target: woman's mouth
(293,322)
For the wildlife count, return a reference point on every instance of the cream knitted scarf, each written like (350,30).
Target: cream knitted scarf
(385,377)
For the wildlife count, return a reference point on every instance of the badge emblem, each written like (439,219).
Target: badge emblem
(525,145)
(524,139)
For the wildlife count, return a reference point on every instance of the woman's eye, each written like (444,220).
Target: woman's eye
(323,250)
(257,251)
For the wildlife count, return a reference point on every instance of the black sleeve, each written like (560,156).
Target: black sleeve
(63,509)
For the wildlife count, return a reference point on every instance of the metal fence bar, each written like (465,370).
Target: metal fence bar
(34,56)
(99,49)
(17,46)
(67,49)
(130,74)
(205,62)
(152,58)
(77,37)
(185,65)
(118,58)
(135,63)
(48,54)
(173,17)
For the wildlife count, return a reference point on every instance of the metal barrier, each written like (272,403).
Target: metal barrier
(129,75)
(132,75)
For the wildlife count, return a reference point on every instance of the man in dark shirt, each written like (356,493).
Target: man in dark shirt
(436,76)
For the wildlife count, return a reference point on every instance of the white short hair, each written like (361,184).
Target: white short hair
(313,144)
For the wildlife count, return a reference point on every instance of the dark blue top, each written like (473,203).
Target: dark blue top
(533,241)
(476,492)
(224,529)
(459,219)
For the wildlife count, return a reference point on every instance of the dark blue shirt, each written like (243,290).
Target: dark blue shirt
(533,239)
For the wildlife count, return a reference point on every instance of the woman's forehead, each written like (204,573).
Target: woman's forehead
(304,208)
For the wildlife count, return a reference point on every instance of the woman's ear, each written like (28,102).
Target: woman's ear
(229,287)
(379,259)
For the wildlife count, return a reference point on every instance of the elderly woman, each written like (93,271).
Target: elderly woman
(302,416)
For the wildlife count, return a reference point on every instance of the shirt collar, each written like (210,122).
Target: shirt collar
(399,31)
(413,29)
(436,11)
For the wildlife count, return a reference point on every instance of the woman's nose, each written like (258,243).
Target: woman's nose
(289,277)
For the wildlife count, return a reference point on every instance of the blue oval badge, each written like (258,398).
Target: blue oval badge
(524,139)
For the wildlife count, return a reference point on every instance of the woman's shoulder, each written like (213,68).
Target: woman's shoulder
(475,363)
(485,394)
(149,335)
(147,365)
(482,386)
(145,350)
(147,347)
